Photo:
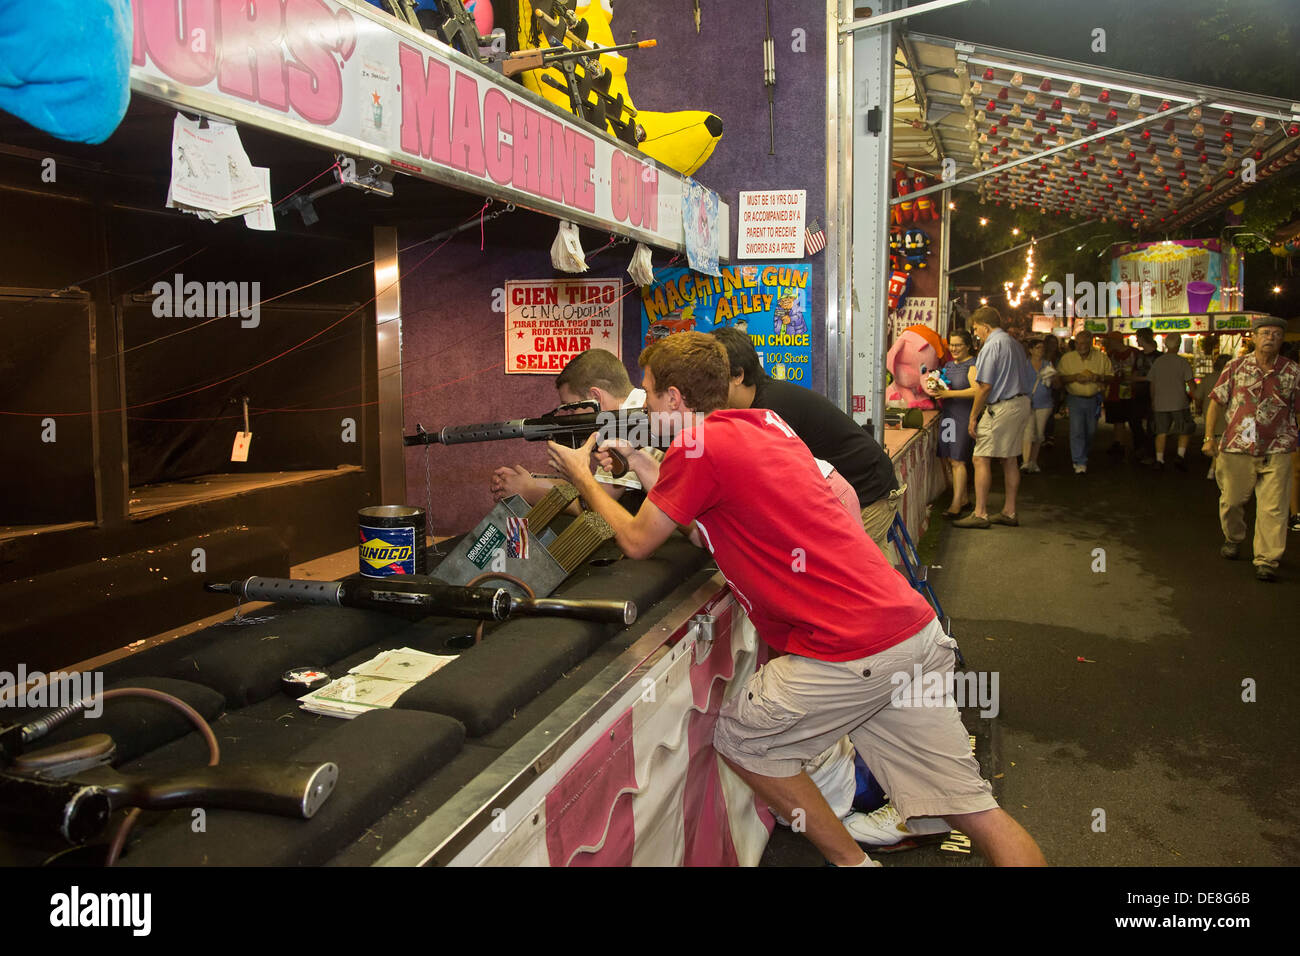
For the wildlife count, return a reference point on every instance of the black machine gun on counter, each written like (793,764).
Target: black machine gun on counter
(68,789)
(428,596)
(569,425)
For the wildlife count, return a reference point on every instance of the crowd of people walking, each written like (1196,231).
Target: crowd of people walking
(1006,395)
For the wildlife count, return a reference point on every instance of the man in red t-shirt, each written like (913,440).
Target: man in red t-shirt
(850,627)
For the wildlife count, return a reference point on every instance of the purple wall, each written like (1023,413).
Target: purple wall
(453,351)
(720,69)
(453,357)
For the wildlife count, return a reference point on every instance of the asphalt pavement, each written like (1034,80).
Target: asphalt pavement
(1144,752)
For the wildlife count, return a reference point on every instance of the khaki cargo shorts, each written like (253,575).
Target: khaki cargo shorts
(795,707)
(1001,429)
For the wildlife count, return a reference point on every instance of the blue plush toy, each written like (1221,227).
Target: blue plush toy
(65,65)
(916,248)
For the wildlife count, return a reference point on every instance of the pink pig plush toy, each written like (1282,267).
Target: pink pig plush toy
(917,351)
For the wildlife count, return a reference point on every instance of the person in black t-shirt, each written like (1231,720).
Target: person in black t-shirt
(1141,421)
(828,432)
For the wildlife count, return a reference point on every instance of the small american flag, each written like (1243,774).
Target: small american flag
(517,538)
(814,238)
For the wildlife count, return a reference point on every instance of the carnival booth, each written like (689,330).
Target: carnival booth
(419,190)
(277,330)
(327,239)
(1191,287)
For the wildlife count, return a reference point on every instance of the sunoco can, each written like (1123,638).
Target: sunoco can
(392,541)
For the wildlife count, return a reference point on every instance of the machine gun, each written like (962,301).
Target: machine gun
(450,22)
(589,95)
(70,790)
(538,58)
(426,595)
(569,425)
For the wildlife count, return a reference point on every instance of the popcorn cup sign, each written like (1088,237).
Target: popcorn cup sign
(1173,268)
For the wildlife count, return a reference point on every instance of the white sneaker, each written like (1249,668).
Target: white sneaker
(1080,469)
(884,827)
(1031,468)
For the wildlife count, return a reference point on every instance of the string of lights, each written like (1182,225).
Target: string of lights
(1014,300)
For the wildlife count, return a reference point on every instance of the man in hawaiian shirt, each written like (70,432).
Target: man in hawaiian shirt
(1261,394)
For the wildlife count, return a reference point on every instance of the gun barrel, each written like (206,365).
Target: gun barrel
(543,428)
(293,590)
(540,57)
(618,48)
(460,434)
(381,594)
(491,431)
(604,612)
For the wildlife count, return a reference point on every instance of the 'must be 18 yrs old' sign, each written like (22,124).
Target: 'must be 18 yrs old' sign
(549,321)
(772,224)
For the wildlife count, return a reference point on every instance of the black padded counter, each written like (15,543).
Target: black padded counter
(396,766)
(380,755)
(495,678)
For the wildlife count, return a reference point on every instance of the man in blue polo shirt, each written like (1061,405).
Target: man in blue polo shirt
(1003,380)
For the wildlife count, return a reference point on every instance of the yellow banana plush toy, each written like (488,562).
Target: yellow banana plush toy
(681,140)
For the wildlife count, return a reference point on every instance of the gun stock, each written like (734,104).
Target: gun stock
(78,809)
(524,60)
(286,790)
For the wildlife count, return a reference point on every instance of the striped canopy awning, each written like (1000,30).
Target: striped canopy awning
(1076,140)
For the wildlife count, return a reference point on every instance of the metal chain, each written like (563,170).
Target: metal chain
(238,620)
(428,504)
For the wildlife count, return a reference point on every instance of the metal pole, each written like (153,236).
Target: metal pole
(945,247)
(388,354)
(887,18)
(839,203)
(872,97)
(1022,245)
